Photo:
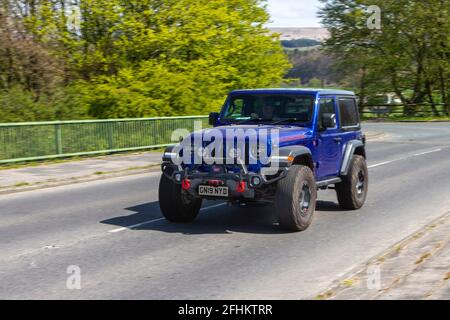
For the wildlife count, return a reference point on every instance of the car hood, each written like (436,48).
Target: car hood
(283,135)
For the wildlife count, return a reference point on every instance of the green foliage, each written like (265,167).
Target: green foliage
(313,65)
(18,105)
(131,58)
(300,43)
(410,52)
(65,103)
(184,57)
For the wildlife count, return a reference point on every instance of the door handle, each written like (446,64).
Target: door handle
(338,139)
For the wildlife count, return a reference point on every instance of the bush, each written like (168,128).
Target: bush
(19,105)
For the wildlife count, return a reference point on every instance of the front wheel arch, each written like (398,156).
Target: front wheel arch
(361,151)
(304,160)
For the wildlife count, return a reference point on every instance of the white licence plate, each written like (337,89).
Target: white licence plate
(213,191)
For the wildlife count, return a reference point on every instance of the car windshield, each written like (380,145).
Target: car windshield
(269,108)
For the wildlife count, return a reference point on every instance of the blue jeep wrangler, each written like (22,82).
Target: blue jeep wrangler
(295,142)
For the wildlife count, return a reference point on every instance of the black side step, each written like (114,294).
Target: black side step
(325,183)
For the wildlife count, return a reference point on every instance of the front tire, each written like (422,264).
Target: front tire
(176,205)
(295,200)
(352,191)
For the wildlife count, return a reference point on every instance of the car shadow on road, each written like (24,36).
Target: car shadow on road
(328,206)
(254,219)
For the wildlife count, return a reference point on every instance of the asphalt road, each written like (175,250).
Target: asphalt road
(113,231)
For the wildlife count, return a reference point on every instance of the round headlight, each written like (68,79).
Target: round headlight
(187,149)
(256,181)
(200,152)
(254,152)
(206,153)
(233,153)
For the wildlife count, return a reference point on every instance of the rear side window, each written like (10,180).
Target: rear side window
(326,106)
(348,112)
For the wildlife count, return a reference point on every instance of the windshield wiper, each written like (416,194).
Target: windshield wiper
(250,120)
(290,120)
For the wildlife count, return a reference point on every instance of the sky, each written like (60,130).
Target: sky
(294,13)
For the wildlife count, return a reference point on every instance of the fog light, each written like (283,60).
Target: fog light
(186,185)
(240,187)
(256,181)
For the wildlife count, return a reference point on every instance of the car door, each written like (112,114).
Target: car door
(329,142)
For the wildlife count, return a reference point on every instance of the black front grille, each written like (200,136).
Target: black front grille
(226,154)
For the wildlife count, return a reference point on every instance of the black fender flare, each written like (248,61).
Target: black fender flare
(285,153)
(169,154)
(350,149)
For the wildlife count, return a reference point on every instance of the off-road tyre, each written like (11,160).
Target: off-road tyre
(295,199)
(352,191)
(176,205)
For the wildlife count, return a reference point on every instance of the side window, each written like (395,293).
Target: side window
(236,109)
(348,112)
(326,106)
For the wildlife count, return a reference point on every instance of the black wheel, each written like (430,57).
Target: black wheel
(295,200)
(177,205)
(352,191)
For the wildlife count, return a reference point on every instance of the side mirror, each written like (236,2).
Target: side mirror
(328,121)
(213,118)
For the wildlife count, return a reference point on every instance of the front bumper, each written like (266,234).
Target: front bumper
(227,179)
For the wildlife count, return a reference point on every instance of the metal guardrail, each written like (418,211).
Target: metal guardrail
(21,142)
(386,110)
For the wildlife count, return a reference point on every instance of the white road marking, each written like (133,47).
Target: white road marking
(381,164)
(160,219)
(134,226)
(427,152)
(404,158)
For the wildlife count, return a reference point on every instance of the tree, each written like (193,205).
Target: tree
(24,61)
(181,57)
(137,58)
(314,63)
(406,55)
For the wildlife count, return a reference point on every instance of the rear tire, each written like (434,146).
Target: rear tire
(295,200)
(352,191)
(176,205)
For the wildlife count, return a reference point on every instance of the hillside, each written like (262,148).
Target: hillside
(318,34)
